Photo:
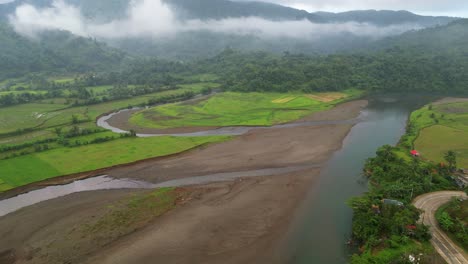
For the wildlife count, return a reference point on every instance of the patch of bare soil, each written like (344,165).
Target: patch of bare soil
(228,222)
(40,233)
(343,111)
(259,149)
(240,222)
(447,100)
(454,110)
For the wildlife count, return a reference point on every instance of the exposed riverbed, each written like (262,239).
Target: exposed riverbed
(105,182)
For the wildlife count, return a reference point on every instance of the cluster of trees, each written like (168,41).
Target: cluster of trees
(453,219)
(20,98)
(67,142)
(63,138)
(392,70)
(171,98)
(8,148)
(76,131)
(381,224)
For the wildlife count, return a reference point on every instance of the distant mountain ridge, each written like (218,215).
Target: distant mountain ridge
(105,10)
(62,49)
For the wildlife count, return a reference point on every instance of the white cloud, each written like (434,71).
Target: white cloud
(151,18)
(29,20)
(295,29)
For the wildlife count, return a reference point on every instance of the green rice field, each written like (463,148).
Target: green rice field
(441,128)
(235,109)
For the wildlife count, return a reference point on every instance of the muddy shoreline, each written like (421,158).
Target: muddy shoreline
(243,221)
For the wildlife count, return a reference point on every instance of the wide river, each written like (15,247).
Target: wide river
(323,226)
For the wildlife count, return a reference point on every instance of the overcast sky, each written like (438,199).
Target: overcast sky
(425,7)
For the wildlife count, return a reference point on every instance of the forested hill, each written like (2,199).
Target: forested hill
(54,51)
(218,9)
(383,17)
(451,38)
(327,33)
(431,60)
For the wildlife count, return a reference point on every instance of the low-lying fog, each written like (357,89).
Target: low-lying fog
(152,18)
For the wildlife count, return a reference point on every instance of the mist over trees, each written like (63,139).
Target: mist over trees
(432,59)
(191,29)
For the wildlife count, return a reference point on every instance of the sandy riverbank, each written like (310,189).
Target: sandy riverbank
(231,222)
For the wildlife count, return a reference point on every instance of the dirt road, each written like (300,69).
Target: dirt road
(429,203)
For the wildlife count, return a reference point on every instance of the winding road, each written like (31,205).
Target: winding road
(429,203)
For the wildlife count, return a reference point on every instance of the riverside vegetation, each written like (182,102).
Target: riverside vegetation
(453,218)
(385,222)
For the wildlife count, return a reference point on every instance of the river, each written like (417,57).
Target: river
(323,225)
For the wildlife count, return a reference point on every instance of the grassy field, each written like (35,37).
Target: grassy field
(27,164)
(43,165)
(26,116)
(233,109)
(441,128)
(51,113)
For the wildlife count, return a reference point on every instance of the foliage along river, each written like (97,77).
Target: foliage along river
(320,231)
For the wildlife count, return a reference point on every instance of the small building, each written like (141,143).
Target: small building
(414,153)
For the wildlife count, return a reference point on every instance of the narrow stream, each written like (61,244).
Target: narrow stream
(223,131)
(47,193)
(323,226)
(105,182)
